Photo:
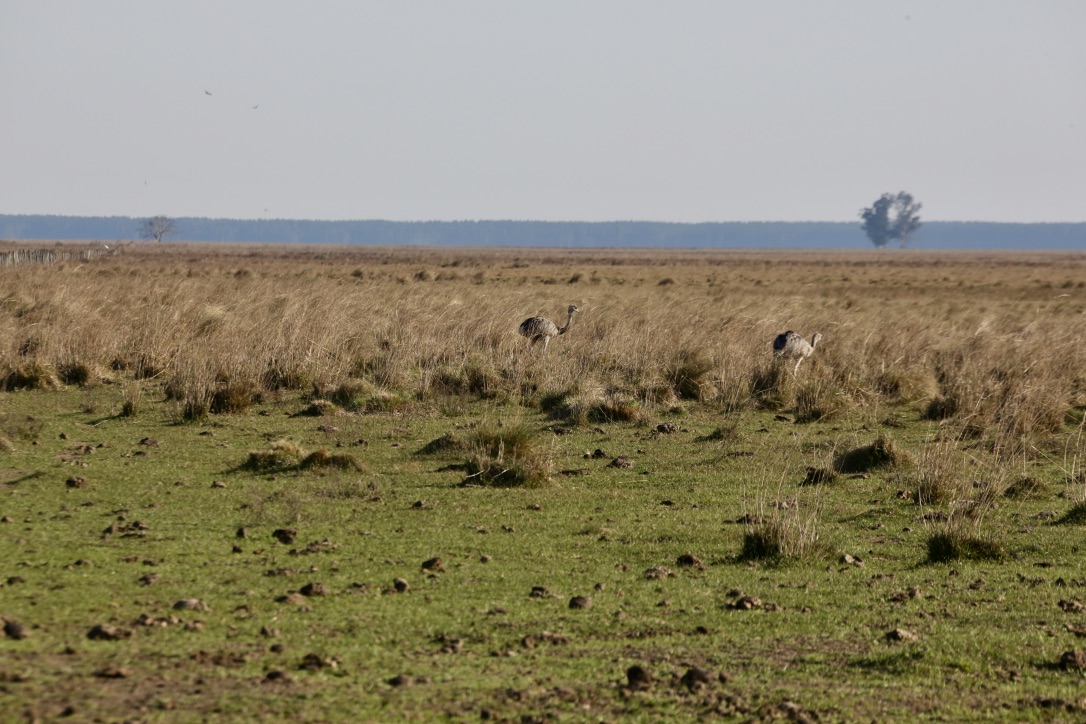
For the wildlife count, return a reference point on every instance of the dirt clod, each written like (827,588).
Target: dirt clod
(695,678)
(401,585)
(747,603)
(658,572)
(76,481)
(689,560)
(313,589)
(638,678)
(434,565)
(580,602)
(900,634)
(1074,660)
(107,632)
(285,536)
(191,604)
(16,630)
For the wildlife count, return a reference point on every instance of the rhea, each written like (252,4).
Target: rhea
(541,328)
(789,345)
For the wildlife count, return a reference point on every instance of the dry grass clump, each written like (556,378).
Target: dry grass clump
(76,373)
(319,408)
(909,385)
(772,385)
(962,539)
(321,458)
(506,457)
(449,442)
(819,401)
(687,372)
(881,453)
(233,396)
(786,534)
(32,376)
(476,377)
(588,402)
(939,475)
(280,455)
(285,455)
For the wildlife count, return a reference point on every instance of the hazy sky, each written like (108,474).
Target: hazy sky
(709,110)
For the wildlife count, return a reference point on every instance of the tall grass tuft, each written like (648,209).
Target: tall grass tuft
(962,539)
(772,385)
(506,457)
(688,373)
(939,478)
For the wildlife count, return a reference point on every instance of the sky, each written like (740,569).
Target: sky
(581,110)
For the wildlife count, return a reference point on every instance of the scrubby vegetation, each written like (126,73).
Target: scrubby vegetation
(250,482)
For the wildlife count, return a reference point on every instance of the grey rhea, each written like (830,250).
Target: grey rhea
(789,345)
(541,328)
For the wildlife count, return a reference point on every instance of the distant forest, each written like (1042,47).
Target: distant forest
(640,234)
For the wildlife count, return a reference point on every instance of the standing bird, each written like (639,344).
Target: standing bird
(791,345)
(541,328)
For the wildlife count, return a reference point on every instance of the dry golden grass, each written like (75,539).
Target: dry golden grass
(988,342)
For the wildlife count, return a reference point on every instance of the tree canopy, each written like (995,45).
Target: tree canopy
(159,228)
(891,218)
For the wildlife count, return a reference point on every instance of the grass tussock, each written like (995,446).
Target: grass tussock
(939,475)
(772,386)
(319,408)
(506,457)
(958,541)
(882,453)
(1076,515)
(32,376)
(687,372)
(285,455)
(819,401)
(449,442)
(907,385)
(786,534)
(232,397)
(280,455)
(591,404)
(322,459)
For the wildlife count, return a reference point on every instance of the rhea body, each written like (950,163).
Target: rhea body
(789,345)
(541,328)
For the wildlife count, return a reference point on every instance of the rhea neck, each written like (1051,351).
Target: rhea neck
(569,321)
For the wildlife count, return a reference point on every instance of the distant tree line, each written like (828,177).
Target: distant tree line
(631,234)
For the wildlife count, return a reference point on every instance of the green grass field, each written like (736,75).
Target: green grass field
(537,538)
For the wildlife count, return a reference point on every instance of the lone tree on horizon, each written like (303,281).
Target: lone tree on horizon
(891,218)
(158,228)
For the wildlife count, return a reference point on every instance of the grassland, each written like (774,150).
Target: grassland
(272,483)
